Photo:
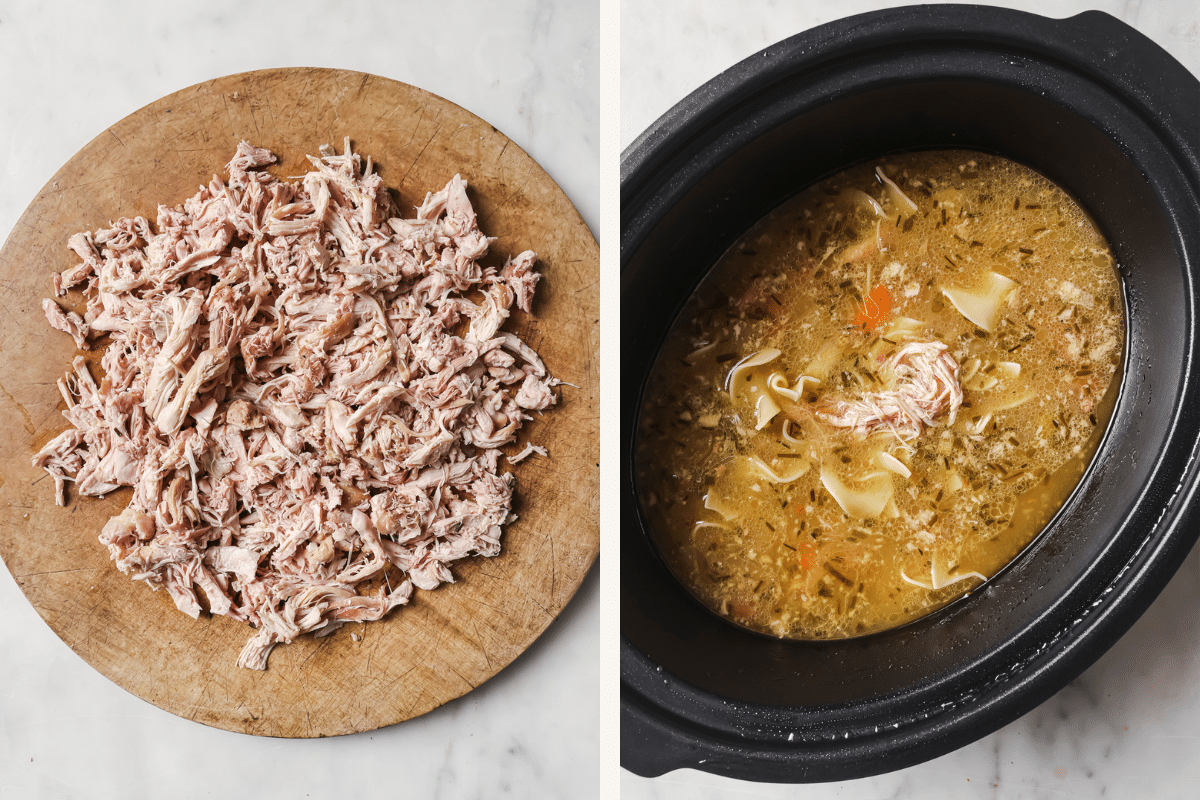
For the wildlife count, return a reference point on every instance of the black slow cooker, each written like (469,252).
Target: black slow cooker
(1094,106)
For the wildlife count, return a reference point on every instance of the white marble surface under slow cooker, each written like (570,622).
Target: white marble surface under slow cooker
(1129,727)
(68,71)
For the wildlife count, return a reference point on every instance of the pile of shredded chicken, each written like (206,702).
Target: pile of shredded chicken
(305,391)
(923,385)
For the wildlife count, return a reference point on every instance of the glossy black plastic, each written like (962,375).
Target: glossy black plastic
(1088,102)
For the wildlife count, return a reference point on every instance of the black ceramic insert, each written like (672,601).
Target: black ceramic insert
(1091,104)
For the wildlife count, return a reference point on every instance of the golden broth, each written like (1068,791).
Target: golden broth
(780,520)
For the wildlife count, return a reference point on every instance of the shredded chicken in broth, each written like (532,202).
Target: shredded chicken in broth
(305,390)
(880,394)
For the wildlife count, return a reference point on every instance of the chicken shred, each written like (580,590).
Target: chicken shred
(924,386)
(302,391)
(530,449)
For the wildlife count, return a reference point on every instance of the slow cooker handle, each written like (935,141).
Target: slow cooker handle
(1147,75)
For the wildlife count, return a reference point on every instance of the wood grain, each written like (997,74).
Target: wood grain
(447,641)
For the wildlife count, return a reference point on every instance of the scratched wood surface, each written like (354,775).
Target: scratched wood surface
(445,642)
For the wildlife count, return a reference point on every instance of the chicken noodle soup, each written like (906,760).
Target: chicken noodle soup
(880,394)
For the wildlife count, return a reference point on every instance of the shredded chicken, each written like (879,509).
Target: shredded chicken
(924,385)
(530,449)
(303,392)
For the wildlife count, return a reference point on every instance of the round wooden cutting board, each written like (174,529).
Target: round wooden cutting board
(446,641)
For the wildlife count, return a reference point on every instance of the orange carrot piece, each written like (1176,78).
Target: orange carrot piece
(741,610)
(875,309)
(807,554)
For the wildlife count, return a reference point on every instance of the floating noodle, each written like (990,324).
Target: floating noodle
(765,410)
(866,501)
(890,462)
(982,306)
(773,476)
(899,199)
(754,360)
(939,582)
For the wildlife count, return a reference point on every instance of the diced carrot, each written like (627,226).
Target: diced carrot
(741,610)
(875,309)
(807,555)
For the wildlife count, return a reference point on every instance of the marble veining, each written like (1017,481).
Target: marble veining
(70,70)
(1127,727)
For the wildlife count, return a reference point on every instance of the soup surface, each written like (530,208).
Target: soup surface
(880,394)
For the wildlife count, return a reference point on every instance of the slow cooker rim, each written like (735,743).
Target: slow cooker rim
(988,26)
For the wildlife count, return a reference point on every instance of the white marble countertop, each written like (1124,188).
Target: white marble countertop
(1128,727)
(529,67)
